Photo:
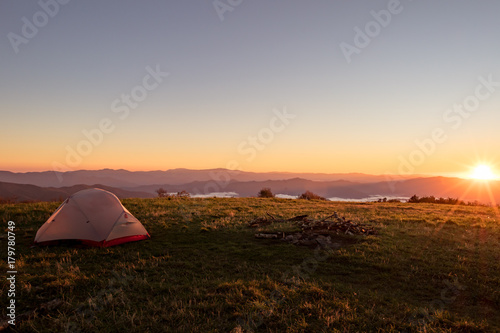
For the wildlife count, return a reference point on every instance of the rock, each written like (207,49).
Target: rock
(307,242)
(323,241)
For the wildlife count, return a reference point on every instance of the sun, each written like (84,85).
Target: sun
(482,172)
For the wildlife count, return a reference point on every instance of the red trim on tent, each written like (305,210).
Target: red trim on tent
(127,239)
(92,243)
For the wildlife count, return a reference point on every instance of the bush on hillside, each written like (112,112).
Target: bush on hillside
(183,194)
(161,192)
(388,200)
(308,195)
(10,200)
(444,201)
(266,193)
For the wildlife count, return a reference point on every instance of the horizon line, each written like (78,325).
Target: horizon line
(413,175)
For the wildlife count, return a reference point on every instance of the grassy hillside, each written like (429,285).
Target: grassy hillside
(432,268)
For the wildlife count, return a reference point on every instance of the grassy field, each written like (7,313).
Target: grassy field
(430,268)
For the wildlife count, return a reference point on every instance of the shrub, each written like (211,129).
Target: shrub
(414,198)
(161,192)
(266,193)
(8,200)
(308,195)
(445,201)
(183,194)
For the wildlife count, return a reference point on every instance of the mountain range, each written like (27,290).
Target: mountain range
(26,192)
(50,185)
(125,178)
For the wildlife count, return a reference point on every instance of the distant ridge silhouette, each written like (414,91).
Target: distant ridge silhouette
(45,186)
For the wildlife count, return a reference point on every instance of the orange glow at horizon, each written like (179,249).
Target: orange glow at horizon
(283,156)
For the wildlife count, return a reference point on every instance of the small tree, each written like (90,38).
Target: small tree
(183,194)
(308,195)
(266,193)
(414,198)
(161,192)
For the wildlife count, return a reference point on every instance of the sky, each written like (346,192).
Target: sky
(397,87)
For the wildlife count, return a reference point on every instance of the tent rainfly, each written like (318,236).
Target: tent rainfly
(94,217)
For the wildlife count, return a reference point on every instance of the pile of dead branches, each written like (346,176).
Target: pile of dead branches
(312,231)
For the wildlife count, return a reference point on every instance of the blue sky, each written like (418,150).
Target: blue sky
(226,78)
